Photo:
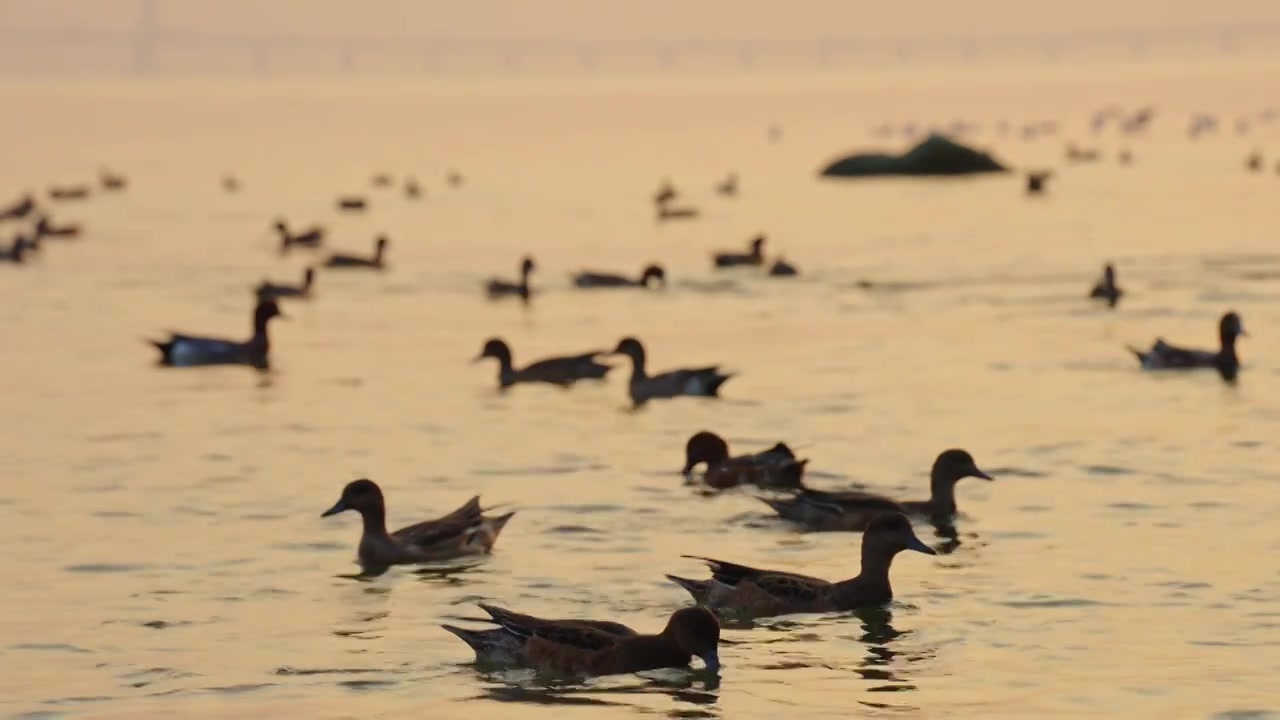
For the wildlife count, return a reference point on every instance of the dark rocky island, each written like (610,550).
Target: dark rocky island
(935,155)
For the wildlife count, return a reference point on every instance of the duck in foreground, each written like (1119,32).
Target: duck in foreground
(563,371)
(748,591)
(731,259)
(588,279)
(701,382)
(772,468)
(1163,356)
(465,531)
(502,288)
(269,289)
(589,648)
(853,511)
(1106,288)
(192,350)
(340,260)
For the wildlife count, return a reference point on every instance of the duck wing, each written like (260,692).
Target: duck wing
(849,501)
(186,350)
(1162,355)
(448,527)
(727,573)
(564,370)
(594,280)
(503,616)
(703,382)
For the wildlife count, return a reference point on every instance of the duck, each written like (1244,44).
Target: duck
(1254,161)
(665,194)
(19,209)
(1106,289)
(383,180)
(412,190)
(111,181)
(782,268)
(340,260)
(193,350)
(16,253)
(230,184)
(746,591)
(562,371)
(352,203)
(312,237)
(497,646)
(1163,356)
(853,510)
(498,287)
(1076,153)
(578,649)
(464,532)
(669,212)
(729,186)
(590,279)
(701,382)
(775,467)
(455,179)
(69,192)
(46,229)
(1036,181)
(269,289)
(732,259)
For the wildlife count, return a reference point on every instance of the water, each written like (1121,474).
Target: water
(165,548)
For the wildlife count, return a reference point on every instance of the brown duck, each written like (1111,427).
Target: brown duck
(465,531)
(563,371)
(749,591)
(775,467)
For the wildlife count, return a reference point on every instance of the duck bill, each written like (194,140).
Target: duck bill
(712,661)
(976,472)
(918,545)
(340,506)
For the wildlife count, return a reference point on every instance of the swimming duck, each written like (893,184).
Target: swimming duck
(412,190)
(574,648)
(1163,356)
(731,259)
(339,260)
(587,279)
(112,181)
(502,288)
(383,180)
(312,237)
(19,208)
(1076,153)
(1036,181)
(465,531)
(69,192)
(668,212)
(704,382)
(1254,162)
(16,253)
(775,467)
(748,591)
(1106,288)
(563,371)
(782,268)
(853,510)
(192,350)
(666,193)
(269,289)
(46,229)
(729,186)
(352,203)
(496,645)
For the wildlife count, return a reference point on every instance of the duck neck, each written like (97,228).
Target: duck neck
(378,250)
(650,652)
(637,366)
(1228,341)
(506,368)
(942,495)
(872,584)
(375,520)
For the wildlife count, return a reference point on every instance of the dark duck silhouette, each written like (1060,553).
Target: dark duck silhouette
(312,237)
(782,268)
(112,181)
(1254,161)
(19,209)
(1106,288)
(463,532)
(753,258)
(772,468)
(563,371)
(193,350)
(592,648)
(589,279)
(17,252)
(269,289)
(375,262)
(352,203)
(412,190)
(498,288)
(46,229)
(643,387)
(665,193)
(746,591)
(729,186)
(1163,356)
(69,192)
(852,510)
(1036,181)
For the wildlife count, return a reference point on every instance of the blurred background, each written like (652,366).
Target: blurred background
(162,525)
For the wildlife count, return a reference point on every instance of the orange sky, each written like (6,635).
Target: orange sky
(649,20)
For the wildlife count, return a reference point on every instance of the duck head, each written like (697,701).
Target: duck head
(266,310)
(526,265)
(281,227)
(497,349)
(757,246)
(654,272)
(955,465)
(696,631)
(308,277)
(1109,274)
(630,347)
(889,534)
(704,447)
(361,495)
(1230,327)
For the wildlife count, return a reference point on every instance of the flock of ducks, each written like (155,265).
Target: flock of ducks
(600,647)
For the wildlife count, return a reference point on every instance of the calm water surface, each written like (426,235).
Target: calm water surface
(166,554)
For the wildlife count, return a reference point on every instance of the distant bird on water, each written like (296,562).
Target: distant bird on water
(1106,288)
(16,253)
(729,186)
(1036,181)
(272,290)
(111,181)
(732,259)
(46,229)
(1254,162)
(312,237)
(1163,356)
(498,287)
(588,279)
(19,209)
(182,350)
(69,192)
(352,203)
(782,268)
(375,262)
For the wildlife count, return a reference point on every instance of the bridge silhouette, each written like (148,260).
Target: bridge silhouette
(150,47)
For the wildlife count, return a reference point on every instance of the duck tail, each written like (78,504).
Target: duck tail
(476,639)
(699,589)
(485,532)
(165,348)
(716,380)
(1142,356)
(785,507)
